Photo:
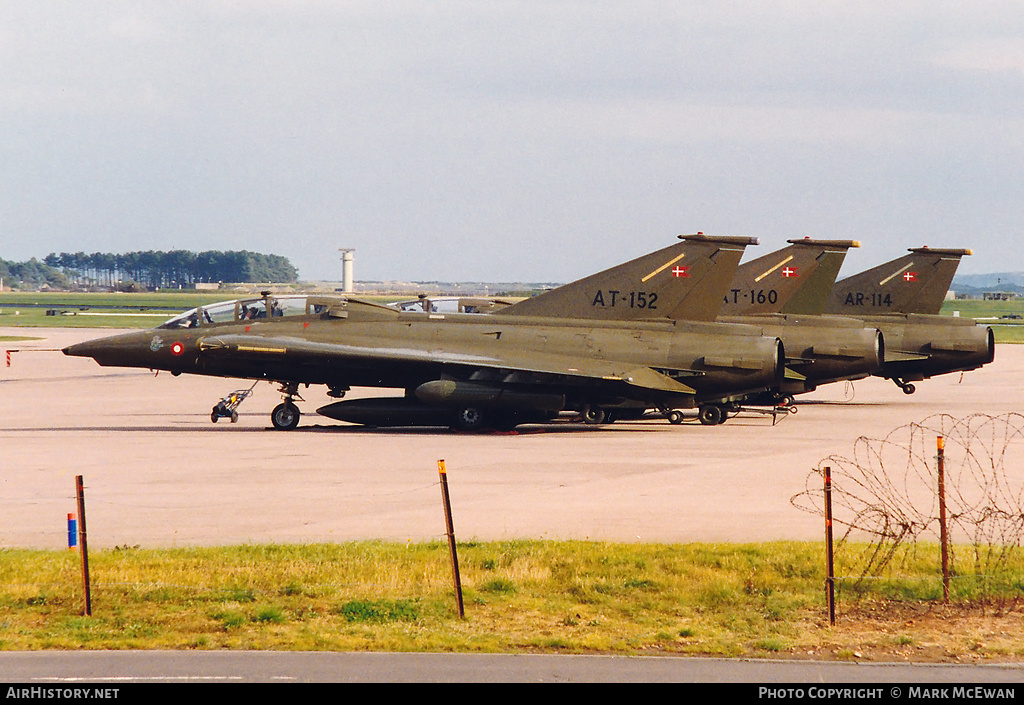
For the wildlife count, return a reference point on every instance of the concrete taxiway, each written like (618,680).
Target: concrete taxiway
(157,472)
(62,672)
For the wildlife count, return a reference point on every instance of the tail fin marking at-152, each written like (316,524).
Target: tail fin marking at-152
(685,281)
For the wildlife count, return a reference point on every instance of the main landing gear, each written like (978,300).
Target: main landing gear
(907,387)
(708,415)
(711,415)
(716,414)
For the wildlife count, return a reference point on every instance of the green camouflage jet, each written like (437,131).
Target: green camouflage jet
(776,293)
(902,298)
(639,335)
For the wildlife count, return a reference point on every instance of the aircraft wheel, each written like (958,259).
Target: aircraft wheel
(593,415)
(675,417)
(908,388)
(285,416)
(470,418)
(711,415)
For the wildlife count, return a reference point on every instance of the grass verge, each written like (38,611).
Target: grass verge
(147,310)
(754,600)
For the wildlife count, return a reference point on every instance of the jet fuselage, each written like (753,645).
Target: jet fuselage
(659,362)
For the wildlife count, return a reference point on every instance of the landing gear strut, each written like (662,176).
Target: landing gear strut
(907,387)
(286,415)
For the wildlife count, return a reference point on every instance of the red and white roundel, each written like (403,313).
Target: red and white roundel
(177,348)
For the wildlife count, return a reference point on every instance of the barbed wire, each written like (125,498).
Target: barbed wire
(887,491)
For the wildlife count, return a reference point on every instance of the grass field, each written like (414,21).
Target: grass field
(102,310)
(84,310)
(998,314)
(759,600)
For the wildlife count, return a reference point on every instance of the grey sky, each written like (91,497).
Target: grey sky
(509,140)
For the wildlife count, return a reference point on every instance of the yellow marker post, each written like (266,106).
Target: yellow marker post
(940,444)
(451,536)
(83,546)
(830,580)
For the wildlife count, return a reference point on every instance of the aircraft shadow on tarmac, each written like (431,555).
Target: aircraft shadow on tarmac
(840,402)
(353,430)
(564,427)
(531,429)
(647,425)
(74,378)
(315,428)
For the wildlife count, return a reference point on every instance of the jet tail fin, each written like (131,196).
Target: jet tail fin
(795,279)
(686,280)
(914,283)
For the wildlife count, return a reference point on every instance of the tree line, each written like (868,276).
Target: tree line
(152,269)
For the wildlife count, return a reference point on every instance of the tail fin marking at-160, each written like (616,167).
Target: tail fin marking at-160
(685,281)
(796,279)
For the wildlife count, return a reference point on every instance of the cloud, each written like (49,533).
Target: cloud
(996,55)
(523,140)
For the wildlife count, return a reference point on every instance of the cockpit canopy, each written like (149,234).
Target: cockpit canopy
(452,304)
(248,310)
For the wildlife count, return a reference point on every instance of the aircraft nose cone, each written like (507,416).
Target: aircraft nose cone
(80,349)
(128,350)
(100,346)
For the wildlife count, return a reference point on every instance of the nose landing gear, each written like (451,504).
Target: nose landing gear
(286,415)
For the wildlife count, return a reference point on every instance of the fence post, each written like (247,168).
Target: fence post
(830,581)
(83,547)
(943,531)
(451,536)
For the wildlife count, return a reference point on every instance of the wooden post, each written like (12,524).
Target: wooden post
(83,547)
(451,536)
(943,531)
(830,581)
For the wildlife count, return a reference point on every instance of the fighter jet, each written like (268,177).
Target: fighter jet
(639,335)
(915,283)
(796,279)
(902,298)
(780,293)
